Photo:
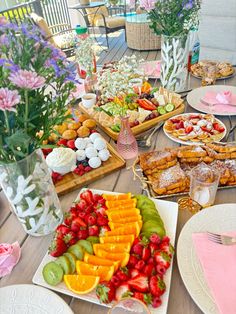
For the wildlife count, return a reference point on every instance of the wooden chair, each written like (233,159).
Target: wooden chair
(60,35)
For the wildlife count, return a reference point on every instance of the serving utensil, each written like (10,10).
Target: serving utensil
(146,140)
(221,239)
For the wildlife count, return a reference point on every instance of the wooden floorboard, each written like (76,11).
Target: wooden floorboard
(118,48)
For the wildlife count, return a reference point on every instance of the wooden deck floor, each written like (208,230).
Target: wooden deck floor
(118,48)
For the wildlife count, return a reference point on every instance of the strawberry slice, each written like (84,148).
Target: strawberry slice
(87,196)
(218,127)
(139,283)
(162,258)
(123,291)
(188,129)
(157,286)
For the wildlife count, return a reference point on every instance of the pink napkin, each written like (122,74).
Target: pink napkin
(219,267)
(220,100)
(9,257)
(152,69)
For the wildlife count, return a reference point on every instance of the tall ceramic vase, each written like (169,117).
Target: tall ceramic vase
(174,60)
(29,188)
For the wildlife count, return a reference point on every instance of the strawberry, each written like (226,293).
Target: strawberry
(136,240)
(77,223)
(105,292)
(103,230)
(82,215)
(133,260)
(87,168)
(156,302)
(157,286)
(188,129)
(62,230)
(93,230)
(166,239)
(149,270)
(143,297)
(87,196)
(102,221)
(91,219)
(73,210)
(139,283)
(175,120)
(71,144)
(167,248)
(218,127)
(100,210)
(98,199)
(133,272)
(115,281)
(57,247)
(122,274)
(179,125)
(137,249)
(146,254)
(123,291)
(81,205)
(68,217)
(154,238)
(46,151)
(150,260)
(140,265)
(162,259)
(82,233)
(70,238)
(153,247)
(161,270)
(62,142)
(56,177)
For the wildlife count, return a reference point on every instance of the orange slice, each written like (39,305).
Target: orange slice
(81,284)
(104,272)
(110,197)
(123,258)
(133,228)
(118,239)
(116,225)
(128,219)
(112,247)
(95,260)
(117,214)
(131,202)
(109,210)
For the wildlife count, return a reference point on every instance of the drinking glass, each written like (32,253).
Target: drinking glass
(128,306)
(203,184)
(209,75)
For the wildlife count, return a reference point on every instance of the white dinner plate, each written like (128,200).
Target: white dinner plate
(168,212)
(23,299)
(218,219)
(197,94)
(189,142)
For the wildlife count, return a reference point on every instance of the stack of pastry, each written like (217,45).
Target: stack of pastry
(224,69)
(168,171)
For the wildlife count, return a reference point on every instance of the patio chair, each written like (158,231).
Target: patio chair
(102,19)
(63,36)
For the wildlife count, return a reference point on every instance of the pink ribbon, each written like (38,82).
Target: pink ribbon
(9,257)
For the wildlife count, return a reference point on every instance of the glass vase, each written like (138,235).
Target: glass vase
(28,187)
(174,61)
(126,143)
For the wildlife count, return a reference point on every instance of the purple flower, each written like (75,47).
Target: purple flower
(8,64)
(8,99)
(188,5)
(27,79)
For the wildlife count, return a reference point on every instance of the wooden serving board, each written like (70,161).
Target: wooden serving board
(139,128)
(71,181)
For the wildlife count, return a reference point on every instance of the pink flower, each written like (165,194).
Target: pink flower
(148,5)
(8,99)
(9,257)
(3,20)
(27,79)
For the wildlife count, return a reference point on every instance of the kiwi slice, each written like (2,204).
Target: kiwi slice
(86,245)
(77,250)
(53,273)
(93,239)
(64,262)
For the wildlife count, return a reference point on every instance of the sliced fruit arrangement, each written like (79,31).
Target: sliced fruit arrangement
(80,147)
(127,259)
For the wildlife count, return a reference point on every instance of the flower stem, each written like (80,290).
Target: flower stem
(7,122)
(26,110)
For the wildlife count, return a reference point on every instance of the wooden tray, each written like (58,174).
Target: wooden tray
(139,128)
(71,181)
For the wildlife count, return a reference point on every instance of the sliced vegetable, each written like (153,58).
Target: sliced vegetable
(161,110)
(146,104)
(169,107)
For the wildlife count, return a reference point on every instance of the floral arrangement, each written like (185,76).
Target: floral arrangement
(35,82)
(172,17)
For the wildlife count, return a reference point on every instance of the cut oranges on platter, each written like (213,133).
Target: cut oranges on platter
(123,258)
(110,197)
(112,247)
(104,272)
(116,214)
(126,220)
(118,239)
(81,284)
(121,229)
(117,203)
(95,260)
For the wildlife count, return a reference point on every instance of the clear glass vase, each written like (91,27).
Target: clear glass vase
(174,62)
(28,186)
(127,145)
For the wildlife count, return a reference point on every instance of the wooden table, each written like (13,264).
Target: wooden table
(33,249)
